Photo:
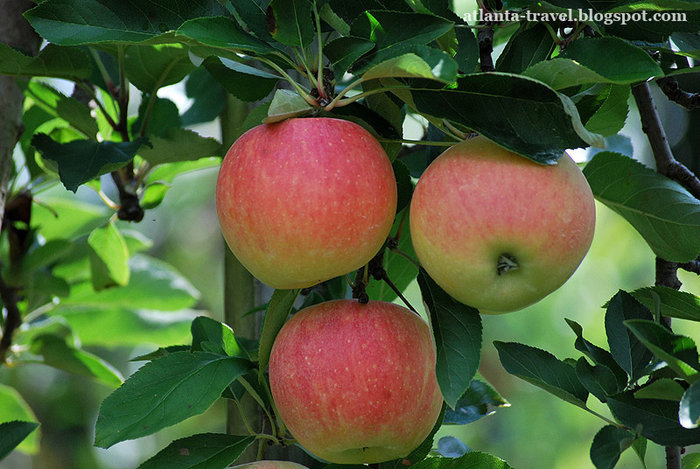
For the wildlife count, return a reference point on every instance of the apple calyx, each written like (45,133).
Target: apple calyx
(506,263)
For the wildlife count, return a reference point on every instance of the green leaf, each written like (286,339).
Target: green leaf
(13,407)
(396,33)
(598,355)
(599,380)
(202,451)
(436,66)
(153,284)
(664,388)
(164,392)
(625,347)
(608,444)
(467,53)
(291,22)
(152,67)
(529,45)
(153,195)
(399,269)
(480,400)
(207,95)
(179,145)
(75,22)
(457,331)
(691,461)
(671,303)
(596,60)
(481,100)
(544,370)
(58,353)
(13,433)
(167,172)
(52,61)
(209,335)
(286,104)
(610,117)
(222,35)
(46,254)
(109,257)
(657,419)
(642,196)
(66,218)
(80,161)
(277,312)
(127,327)
(164,117)
(243,81)
(678,351)
(344,51)
(56,104)
(471,460)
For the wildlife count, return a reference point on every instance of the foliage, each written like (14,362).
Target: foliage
(76,277)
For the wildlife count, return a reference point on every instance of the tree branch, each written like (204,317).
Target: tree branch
(485,39)
(666,164)
(13,319)
(672,90)
(692,266)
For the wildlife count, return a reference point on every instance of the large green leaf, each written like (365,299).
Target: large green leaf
(679,352)
(544,370)
(66,218)
(529,45)
(13,433)
(243,81)
(74,22)
(221,36)
(457,331)
(608,444)
(611,113)
(277,312)
(669,302)
(344,51)
(13,407)
(109,257)
(481,101)
(480,400)
(164,392)
(179,145)
(291,22)
(152,67)
(689,411)
(207,95)
(202,451)
(80,161)
(432,65)
(656,419)
(627,350)
(642,196)
(61,354)
(53,61)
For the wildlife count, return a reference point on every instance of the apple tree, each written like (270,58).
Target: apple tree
(85,119)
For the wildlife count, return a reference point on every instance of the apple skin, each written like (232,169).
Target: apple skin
(270,465)
(355,383)
(478,201)
(305,200)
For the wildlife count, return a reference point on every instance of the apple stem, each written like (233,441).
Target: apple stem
(506,263)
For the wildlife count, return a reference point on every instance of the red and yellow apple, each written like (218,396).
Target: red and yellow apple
(498,231)
(355,383)
(305,200)
(270,465)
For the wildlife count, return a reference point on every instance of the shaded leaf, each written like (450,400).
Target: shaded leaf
(664,388)
(57,104)
(205,450)
(625,347)
(544,370)
(13,433)
(164,117)
(207,95)
(610,117)
(164,392)
(669,302)
(152,67)
(480,400)
(608,444)
(13,407)
(52,61)
(221,34)
(457,331)
(179,145)
(80,161)
(642,196)
(243,81)
(432,65)
(597,379)
(529,45)
(344,51)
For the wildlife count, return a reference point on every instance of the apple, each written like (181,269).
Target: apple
(305,200)
(498,231)
(355,383)
(270,465)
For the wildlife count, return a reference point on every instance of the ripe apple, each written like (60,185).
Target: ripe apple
(355,383)
(497,231)
(270,465)
(305,200)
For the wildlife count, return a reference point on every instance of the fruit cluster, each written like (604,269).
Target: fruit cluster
(309,199)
